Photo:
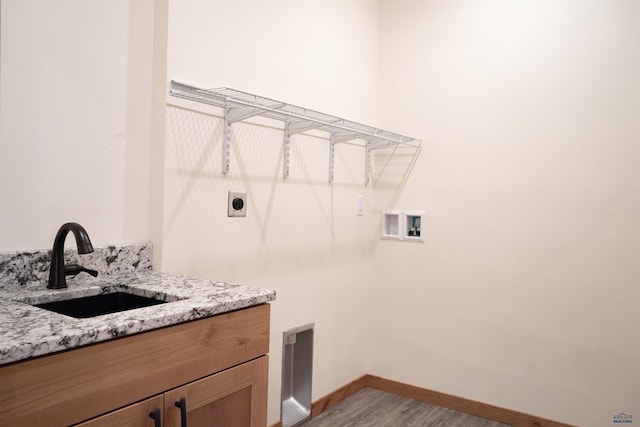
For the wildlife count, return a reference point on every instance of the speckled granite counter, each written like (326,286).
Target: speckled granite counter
(27,331)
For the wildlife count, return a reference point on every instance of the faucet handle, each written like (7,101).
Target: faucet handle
(74,269)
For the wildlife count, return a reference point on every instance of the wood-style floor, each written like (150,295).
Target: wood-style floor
(374,408)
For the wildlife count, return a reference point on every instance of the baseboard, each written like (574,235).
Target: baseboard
(337,396)
(471,407)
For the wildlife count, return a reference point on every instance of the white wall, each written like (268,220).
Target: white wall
(74,112)
(301,237)
(525,292)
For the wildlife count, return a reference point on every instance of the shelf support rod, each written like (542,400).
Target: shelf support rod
(239,114)
(332,149)
(367,162)
(226,155)
(286,155)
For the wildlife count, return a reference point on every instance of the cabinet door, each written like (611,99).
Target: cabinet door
(236,397)
(136,415)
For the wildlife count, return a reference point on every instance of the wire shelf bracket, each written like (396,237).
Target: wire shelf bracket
(240,106)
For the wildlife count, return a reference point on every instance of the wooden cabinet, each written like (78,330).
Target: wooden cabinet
(232,398)
(217,364)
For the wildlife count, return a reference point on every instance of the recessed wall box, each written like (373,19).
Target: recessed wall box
(413,225)
(402,225)
(237,204)
(392,225)
(297,369)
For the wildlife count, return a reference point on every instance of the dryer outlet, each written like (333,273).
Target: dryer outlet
(237,204)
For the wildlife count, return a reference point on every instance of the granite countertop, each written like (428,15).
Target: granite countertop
(27,331)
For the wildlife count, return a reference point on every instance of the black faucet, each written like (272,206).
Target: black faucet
(58,271)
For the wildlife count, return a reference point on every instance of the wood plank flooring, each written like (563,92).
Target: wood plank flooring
(374,408)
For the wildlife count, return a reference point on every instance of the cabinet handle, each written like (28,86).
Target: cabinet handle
(157,418)
(182,404)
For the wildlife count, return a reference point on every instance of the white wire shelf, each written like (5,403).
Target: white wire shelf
(240,105)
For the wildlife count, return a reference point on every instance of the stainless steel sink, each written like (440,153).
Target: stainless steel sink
(97,305)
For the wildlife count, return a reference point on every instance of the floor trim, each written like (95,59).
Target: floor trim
(461,404)
(337,396)
(471,407)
